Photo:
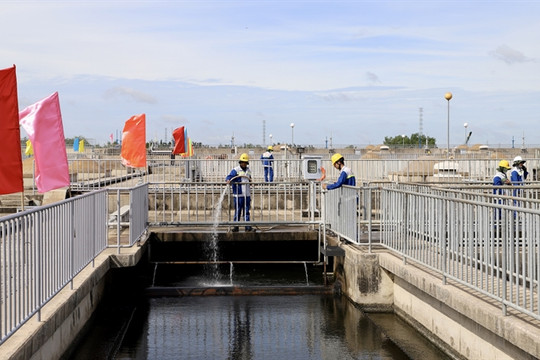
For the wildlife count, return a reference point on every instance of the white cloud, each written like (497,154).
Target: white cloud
(221,65)
(124,92)
(509,55)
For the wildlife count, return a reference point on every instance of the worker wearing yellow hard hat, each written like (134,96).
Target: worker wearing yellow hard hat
(500,177)
(346,176)
(268,164)
(239,178)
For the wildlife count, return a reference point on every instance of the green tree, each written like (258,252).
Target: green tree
(409,141)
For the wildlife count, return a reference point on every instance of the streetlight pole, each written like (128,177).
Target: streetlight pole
(403,140)
(465,126)
(448,97)
(292,134)
(271,143)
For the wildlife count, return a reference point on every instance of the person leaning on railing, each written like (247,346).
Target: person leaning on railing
(346,176)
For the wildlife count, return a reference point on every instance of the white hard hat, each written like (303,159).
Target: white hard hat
(518,159)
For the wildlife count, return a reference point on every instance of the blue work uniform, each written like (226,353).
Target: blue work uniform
(517,177)
(268,164)
(240,179)
(499,180)
(346,177)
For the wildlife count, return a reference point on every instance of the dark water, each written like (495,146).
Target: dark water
(298,274)
(247,327)
(264,327)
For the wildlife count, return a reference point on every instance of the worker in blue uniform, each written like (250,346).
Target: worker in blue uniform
(518,175)
(519,172)
(346,176)
(501,177)
(239,178)
(268,164)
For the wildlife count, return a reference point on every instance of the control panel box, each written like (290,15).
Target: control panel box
(311,167)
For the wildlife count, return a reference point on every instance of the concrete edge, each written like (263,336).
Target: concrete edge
(522,333)
(128,257)
(33,335)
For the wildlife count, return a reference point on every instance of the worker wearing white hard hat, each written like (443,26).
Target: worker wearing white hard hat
(519,172)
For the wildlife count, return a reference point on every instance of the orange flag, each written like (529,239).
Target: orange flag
(11,176)
(133,152)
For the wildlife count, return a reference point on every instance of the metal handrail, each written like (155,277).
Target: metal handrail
(489,246)
(42,250)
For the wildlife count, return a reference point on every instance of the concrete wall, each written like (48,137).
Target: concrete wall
(64,316)
(362,279)
(61,319)
(463,324)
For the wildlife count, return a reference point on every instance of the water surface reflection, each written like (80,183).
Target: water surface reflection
(131,326)
(256,327)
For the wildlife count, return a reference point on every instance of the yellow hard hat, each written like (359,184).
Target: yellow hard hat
(271,148)
(336,157)
(244,158)
(504,164)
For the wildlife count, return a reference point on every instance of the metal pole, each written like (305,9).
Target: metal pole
(448,96)
(448,131)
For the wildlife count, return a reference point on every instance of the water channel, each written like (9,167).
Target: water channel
(142,326)
(137,322)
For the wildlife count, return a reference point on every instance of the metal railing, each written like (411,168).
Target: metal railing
(127,209)
(353,213)
(191,204)
(482,241)
(41,251)
(488,242)
(92,174)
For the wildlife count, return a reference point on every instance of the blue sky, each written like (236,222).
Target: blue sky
(352,71)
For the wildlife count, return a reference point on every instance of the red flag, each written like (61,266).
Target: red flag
(11,176)
(180,140)
(133,152)
(42,122)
